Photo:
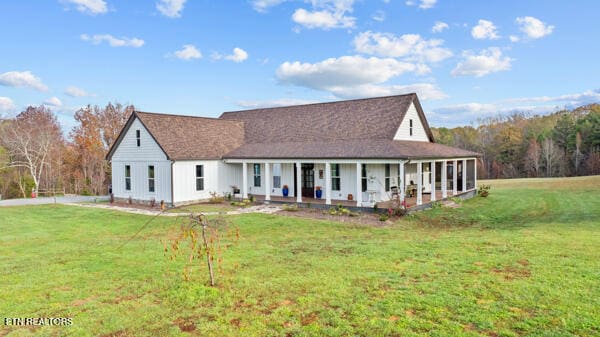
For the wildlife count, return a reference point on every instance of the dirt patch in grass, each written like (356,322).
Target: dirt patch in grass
(78,303)
(512,272)
(185,324)
(370,219)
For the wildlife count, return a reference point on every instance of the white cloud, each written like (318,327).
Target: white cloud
(485,30)
(92,7)
(378,16)
(53,101)
(113,41)
(514,38)
(425,91)
(439,26)
(326,14)
(188,52)
(534,28)
(22,79)
(423,4)
(486,62)
(76,92)
(239,55)
(342,71)
(411,46)
(273,103)
(586,97)
(170,8)
(6,104)
(263,5)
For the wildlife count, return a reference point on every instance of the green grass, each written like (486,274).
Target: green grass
(523,262)
(204,208)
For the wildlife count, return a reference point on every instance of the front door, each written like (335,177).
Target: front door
(308,180)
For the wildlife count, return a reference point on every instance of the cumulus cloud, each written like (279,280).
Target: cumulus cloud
(263,5)
(6,104)
(423,4)
(53,101)
(426,91)
(76,92)
(326,14)
(378,16)
(22,79)
(113,41)
(411,46)
(91,7)
(274,103)
(533,27)
(188,52)
(488,61)
(170,8)
(439,27)
(586,97)
(238,55)
(485,30)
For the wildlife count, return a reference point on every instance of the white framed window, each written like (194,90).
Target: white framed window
(276,175)
(199,177)
(336,181)
(150,178)
(256,175)
(127,178)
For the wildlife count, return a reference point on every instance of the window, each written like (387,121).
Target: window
(199,177)
(256,175)
(410,127)
(387,177)
(138,137)
(127,178)
(276,175)
(150,178)
(335,177)
(364,177)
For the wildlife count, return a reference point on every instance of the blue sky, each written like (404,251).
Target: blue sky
(465,59)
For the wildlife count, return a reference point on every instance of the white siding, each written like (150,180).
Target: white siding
(184,180)
(287,178)
(419,133)
(139,158)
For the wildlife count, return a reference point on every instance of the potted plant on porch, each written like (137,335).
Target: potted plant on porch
(318,192)
(285,190)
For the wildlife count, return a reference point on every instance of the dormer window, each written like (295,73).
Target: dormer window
(410,127)
(138,138)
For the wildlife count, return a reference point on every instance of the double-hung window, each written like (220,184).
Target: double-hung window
(364,177)
(151,178)
(276,175)
(256,175)
(199,177)
(335,177)
(127,178)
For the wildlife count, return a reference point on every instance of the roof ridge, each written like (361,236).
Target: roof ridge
(190,116)
(320,103)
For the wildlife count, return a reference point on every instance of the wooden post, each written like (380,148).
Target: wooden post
(444,179)
(454,177)
(358,184)
(402,184)
(327,183)
(464,175)
(298,182)
(433,196)
(419,183)
(475,173)
(244,180)
(268,182)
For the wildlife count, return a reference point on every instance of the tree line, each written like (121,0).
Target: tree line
(35,155)
(565,143)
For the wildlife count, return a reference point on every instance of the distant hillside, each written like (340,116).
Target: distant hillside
(564,143)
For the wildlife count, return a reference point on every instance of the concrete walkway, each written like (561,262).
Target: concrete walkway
(266,209)
(51,200)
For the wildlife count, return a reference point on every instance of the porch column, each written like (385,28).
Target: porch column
(475,173)
(268,182)
(244,180)
(419,183)
(298,182)
(402,185)
(454,177)
(433,196)
(327,183)
(444,179)
(464,175)
(358,184)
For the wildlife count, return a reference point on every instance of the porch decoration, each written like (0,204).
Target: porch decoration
(350,197)
(318,192)
(285,190)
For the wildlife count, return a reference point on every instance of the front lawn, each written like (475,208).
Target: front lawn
(523,262)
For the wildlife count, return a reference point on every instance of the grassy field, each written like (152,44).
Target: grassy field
(523,262)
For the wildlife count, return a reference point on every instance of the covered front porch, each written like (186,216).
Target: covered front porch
(356,183)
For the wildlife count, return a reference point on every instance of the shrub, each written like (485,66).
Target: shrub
(484,190)
(455,200)
(215,198)
(383,217)
(436,204)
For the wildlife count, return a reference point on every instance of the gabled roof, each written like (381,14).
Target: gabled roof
(188,137)
(369,118)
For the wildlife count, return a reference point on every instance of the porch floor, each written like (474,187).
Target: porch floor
(410,201)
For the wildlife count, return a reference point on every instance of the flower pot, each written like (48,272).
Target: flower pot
(350,197)
(319,194)
(285,191)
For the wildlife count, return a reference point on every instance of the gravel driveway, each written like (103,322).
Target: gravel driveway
(52,200)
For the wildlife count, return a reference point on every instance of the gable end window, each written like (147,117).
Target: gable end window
(138,138)
(410,127)
(151,178)
(335,177)
(199,177)
(256,175)
(127,178)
